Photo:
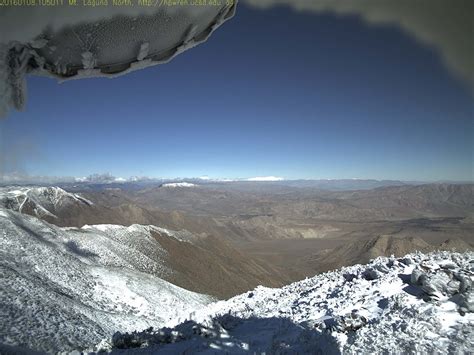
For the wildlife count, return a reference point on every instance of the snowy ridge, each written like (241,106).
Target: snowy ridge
(134,232)
(265,178)
(68,288)
(5,87)
(179,184)
(417,304)
(41,201)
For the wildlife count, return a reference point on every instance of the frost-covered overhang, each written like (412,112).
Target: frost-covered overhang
(68,42)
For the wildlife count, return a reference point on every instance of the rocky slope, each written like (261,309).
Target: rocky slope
(362,251)
(422,303)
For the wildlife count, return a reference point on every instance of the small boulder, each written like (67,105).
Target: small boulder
(406,260)
(415,276)
(435,284)
(467,302)
(453,287)
(349,277)
(447,265)
(354,321)
(465,281)
(370,274)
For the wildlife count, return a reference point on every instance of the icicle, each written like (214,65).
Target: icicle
(144,50)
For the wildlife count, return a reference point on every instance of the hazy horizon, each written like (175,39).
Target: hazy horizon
(109,178)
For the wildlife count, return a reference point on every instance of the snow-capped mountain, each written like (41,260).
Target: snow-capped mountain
(40,201)
(416,304)
(265,179)
(68,288)
(179,184)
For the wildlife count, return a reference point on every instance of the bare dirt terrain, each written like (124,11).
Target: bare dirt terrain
(300,230)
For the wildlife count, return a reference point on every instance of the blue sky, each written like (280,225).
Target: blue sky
(273,92)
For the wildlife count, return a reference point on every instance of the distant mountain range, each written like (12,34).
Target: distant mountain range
(142,181)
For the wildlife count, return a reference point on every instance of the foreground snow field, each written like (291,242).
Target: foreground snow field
(418,304)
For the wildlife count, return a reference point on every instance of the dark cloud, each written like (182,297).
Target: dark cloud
(444,24)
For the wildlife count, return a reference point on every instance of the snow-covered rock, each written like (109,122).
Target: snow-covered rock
(386,306)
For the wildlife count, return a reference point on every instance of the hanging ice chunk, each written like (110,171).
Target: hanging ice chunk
(5,88)
(13,64)
(18,64)
(81,42)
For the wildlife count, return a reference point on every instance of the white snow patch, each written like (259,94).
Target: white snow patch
(179,184)
(266,178)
